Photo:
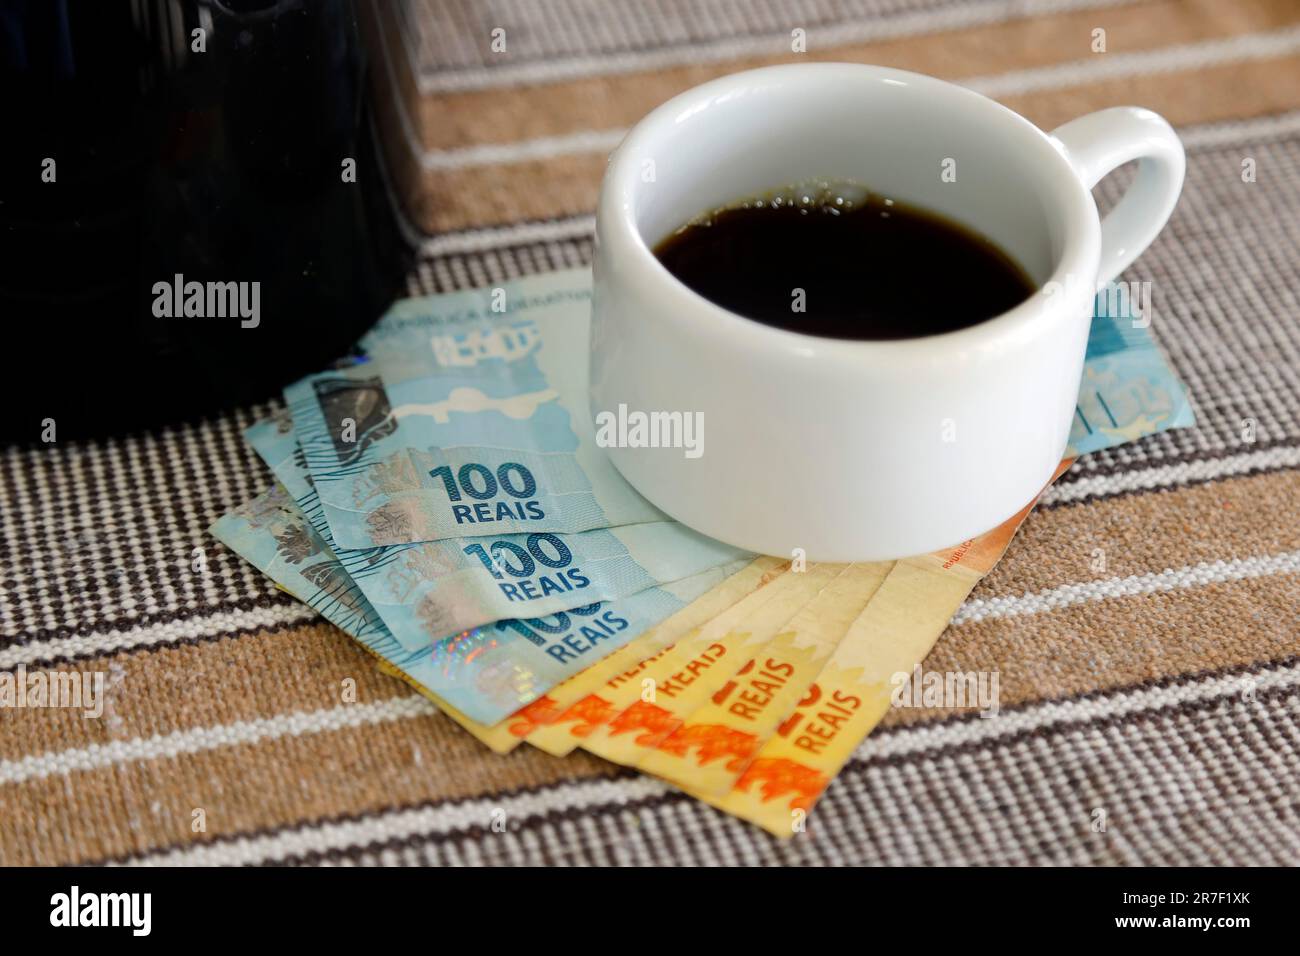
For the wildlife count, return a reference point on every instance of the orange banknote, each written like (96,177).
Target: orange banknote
(504,736)
(554,723)
(645,711)
(713,744)
(854,689)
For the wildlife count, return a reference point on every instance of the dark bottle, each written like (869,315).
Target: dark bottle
(149,139)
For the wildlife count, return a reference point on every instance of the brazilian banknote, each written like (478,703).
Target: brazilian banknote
(465,416)
(1128,389)
(429,589)
(485,673)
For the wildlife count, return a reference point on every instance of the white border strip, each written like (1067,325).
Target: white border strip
(425,821)
(1176,579)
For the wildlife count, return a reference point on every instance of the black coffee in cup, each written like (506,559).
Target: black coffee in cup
(840,261)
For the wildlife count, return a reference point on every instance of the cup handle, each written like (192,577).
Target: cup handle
(1098,143)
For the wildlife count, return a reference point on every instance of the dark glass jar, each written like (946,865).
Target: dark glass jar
(225,143)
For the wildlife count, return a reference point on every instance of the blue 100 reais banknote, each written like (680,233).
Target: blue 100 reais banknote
(486,673)
(427,590)
(467,416)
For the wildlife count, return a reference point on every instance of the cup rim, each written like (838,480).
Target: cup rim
(617,228)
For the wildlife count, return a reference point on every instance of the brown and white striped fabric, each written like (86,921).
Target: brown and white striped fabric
(1150,700)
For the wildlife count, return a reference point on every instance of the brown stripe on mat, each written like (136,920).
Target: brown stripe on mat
(567,185)
(1138,534)
(289,776)
(136,805)
(1210,749)
(1100,644)
(453,120)
(1207,95)
(582,38)
(199,685)
(182,630)
(692,832)
(1135,534)
(1119,642)
(256,676)
(1112,639)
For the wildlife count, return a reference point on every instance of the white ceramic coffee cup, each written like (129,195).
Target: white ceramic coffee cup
(861,450)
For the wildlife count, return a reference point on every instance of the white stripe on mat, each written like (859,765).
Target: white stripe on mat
(496,237)
(200,739)
(582,143)
(206,738)
(1054,713)
(581,66)
(1151,62)
(1096,68)
(1175,579)
(427,821)
(1171,476)
(1234,132)
(1145,479)
(400,824)
(199,625)
(470,241)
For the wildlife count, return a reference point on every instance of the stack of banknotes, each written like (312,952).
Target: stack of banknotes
(440,496)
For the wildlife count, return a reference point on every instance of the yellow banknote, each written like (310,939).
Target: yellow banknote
(646,710)
(556,722)
(852,693)
(714,744)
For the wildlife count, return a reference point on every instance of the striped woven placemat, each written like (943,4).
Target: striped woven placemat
(1157,689)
